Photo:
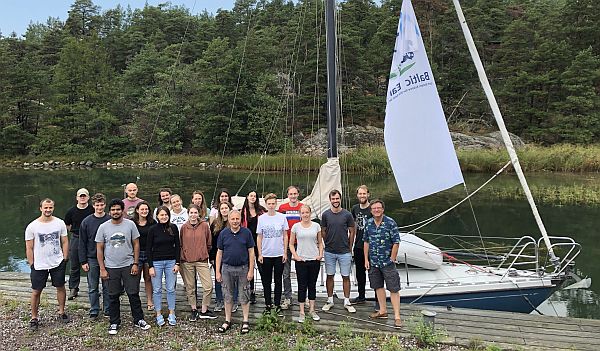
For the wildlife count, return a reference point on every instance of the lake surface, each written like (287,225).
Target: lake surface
(23,189)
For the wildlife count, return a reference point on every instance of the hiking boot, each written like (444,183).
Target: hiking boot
(73,294)
(113,329)
(193,316)
(207,315)
(142,325)
(286,304)
(64,318)
(34,323)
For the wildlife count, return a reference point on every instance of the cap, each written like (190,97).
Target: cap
(83,191)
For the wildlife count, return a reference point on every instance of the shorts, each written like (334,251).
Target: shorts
(231,275)
(345,261)
(387,274)
(142,259)
(40,277)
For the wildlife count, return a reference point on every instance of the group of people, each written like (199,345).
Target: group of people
(133,240)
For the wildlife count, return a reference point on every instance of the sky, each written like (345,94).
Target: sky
(15,15)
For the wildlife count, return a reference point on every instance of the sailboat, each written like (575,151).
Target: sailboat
(528,273)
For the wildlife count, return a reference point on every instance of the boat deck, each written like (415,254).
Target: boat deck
(460,326)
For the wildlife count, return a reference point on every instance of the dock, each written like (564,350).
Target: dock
(513,331)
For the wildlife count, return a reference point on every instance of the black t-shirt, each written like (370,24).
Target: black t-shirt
(361,215)
(75,216)
(144,229)
(336,226)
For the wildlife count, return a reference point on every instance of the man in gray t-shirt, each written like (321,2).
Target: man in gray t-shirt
(118,250)
(338,230)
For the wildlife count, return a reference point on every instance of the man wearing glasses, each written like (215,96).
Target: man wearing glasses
(73,219)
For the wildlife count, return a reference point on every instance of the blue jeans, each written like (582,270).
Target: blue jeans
(93,279)
(164,267)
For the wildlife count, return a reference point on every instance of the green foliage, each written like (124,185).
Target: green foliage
(424,334)
(247,80)
(272,323)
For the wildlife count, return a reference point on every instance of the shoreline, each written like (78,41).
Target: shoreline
(366,160)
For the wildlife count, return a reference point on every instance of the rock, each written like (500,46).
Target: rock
(89,163)
(120,165)
(108,164)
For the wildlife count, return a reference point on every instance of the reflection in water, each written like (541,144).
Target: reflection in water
(23,189)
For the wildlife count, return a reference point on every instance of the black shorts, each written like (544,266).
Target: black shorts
(40,277)
(387,274)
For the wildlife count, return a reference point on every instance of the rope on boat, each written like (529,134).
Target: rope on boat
(426,222)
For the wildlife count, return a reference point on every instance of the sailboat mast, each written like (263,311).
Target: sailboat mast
(503,131)
(331,79)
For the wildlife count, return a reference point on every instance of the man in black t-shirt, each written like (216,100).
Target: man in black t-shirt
(75,215)
(361,213)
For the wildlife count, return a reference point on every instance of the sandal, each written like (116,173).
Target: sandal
(150,307)
(397,323)
(225,327)
(245,327)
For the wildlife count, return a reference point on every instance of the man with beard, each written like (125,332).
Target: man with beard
(47,247)
(361,213)
(88,256)
(73,219)
(338,230)
(118,249)
(291,210)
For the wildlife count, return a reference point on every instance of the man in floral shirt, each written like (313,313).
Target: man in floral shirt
(382,240)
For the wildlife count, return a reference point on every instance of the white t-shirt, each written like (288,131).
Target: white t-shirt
(47,248)
(272,229)
(179,218)
(306,239)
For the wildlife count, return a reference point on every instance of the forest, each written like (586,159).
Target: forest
(162,79)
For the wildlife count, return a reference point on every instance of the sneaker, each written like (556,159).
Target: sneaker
(267,310)
(207,315)
(301,318)
(350,308)
(279,311)
(93,315)
(64,318)
(142,325)
(252,298)
(106,314)
(286,304)
(193,316)
(34,323)
(172,319)
(234,308)
(219,306)
(160,320)
(327,306)
(73,294)
(113,329)
(357,300)
(315,316)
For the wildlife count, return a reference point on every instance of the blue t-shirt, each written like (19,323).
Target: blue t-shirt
(381,240)
(235,246)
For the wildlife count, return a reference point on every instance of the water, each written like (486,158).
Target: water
(23,189)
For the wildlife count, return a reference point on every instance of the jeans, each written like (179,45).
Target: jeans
(165,268)
(287,279)
(75,271)
(93,279)
(361,272)
(272,268)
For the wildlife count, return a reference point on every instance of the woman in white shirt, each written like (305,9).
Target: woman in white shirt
(308,254)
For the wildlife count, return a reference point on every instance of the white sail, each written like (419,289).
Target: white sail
(329,178)
(417,138)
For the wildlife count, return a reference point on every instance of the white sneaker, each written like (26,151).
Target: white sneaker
(350,308)
(315,316)
(286,304)
(113,329)
(327,306)
(301,318)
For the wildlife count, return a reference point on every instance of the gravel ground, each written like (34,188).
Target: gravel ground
(83,333)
